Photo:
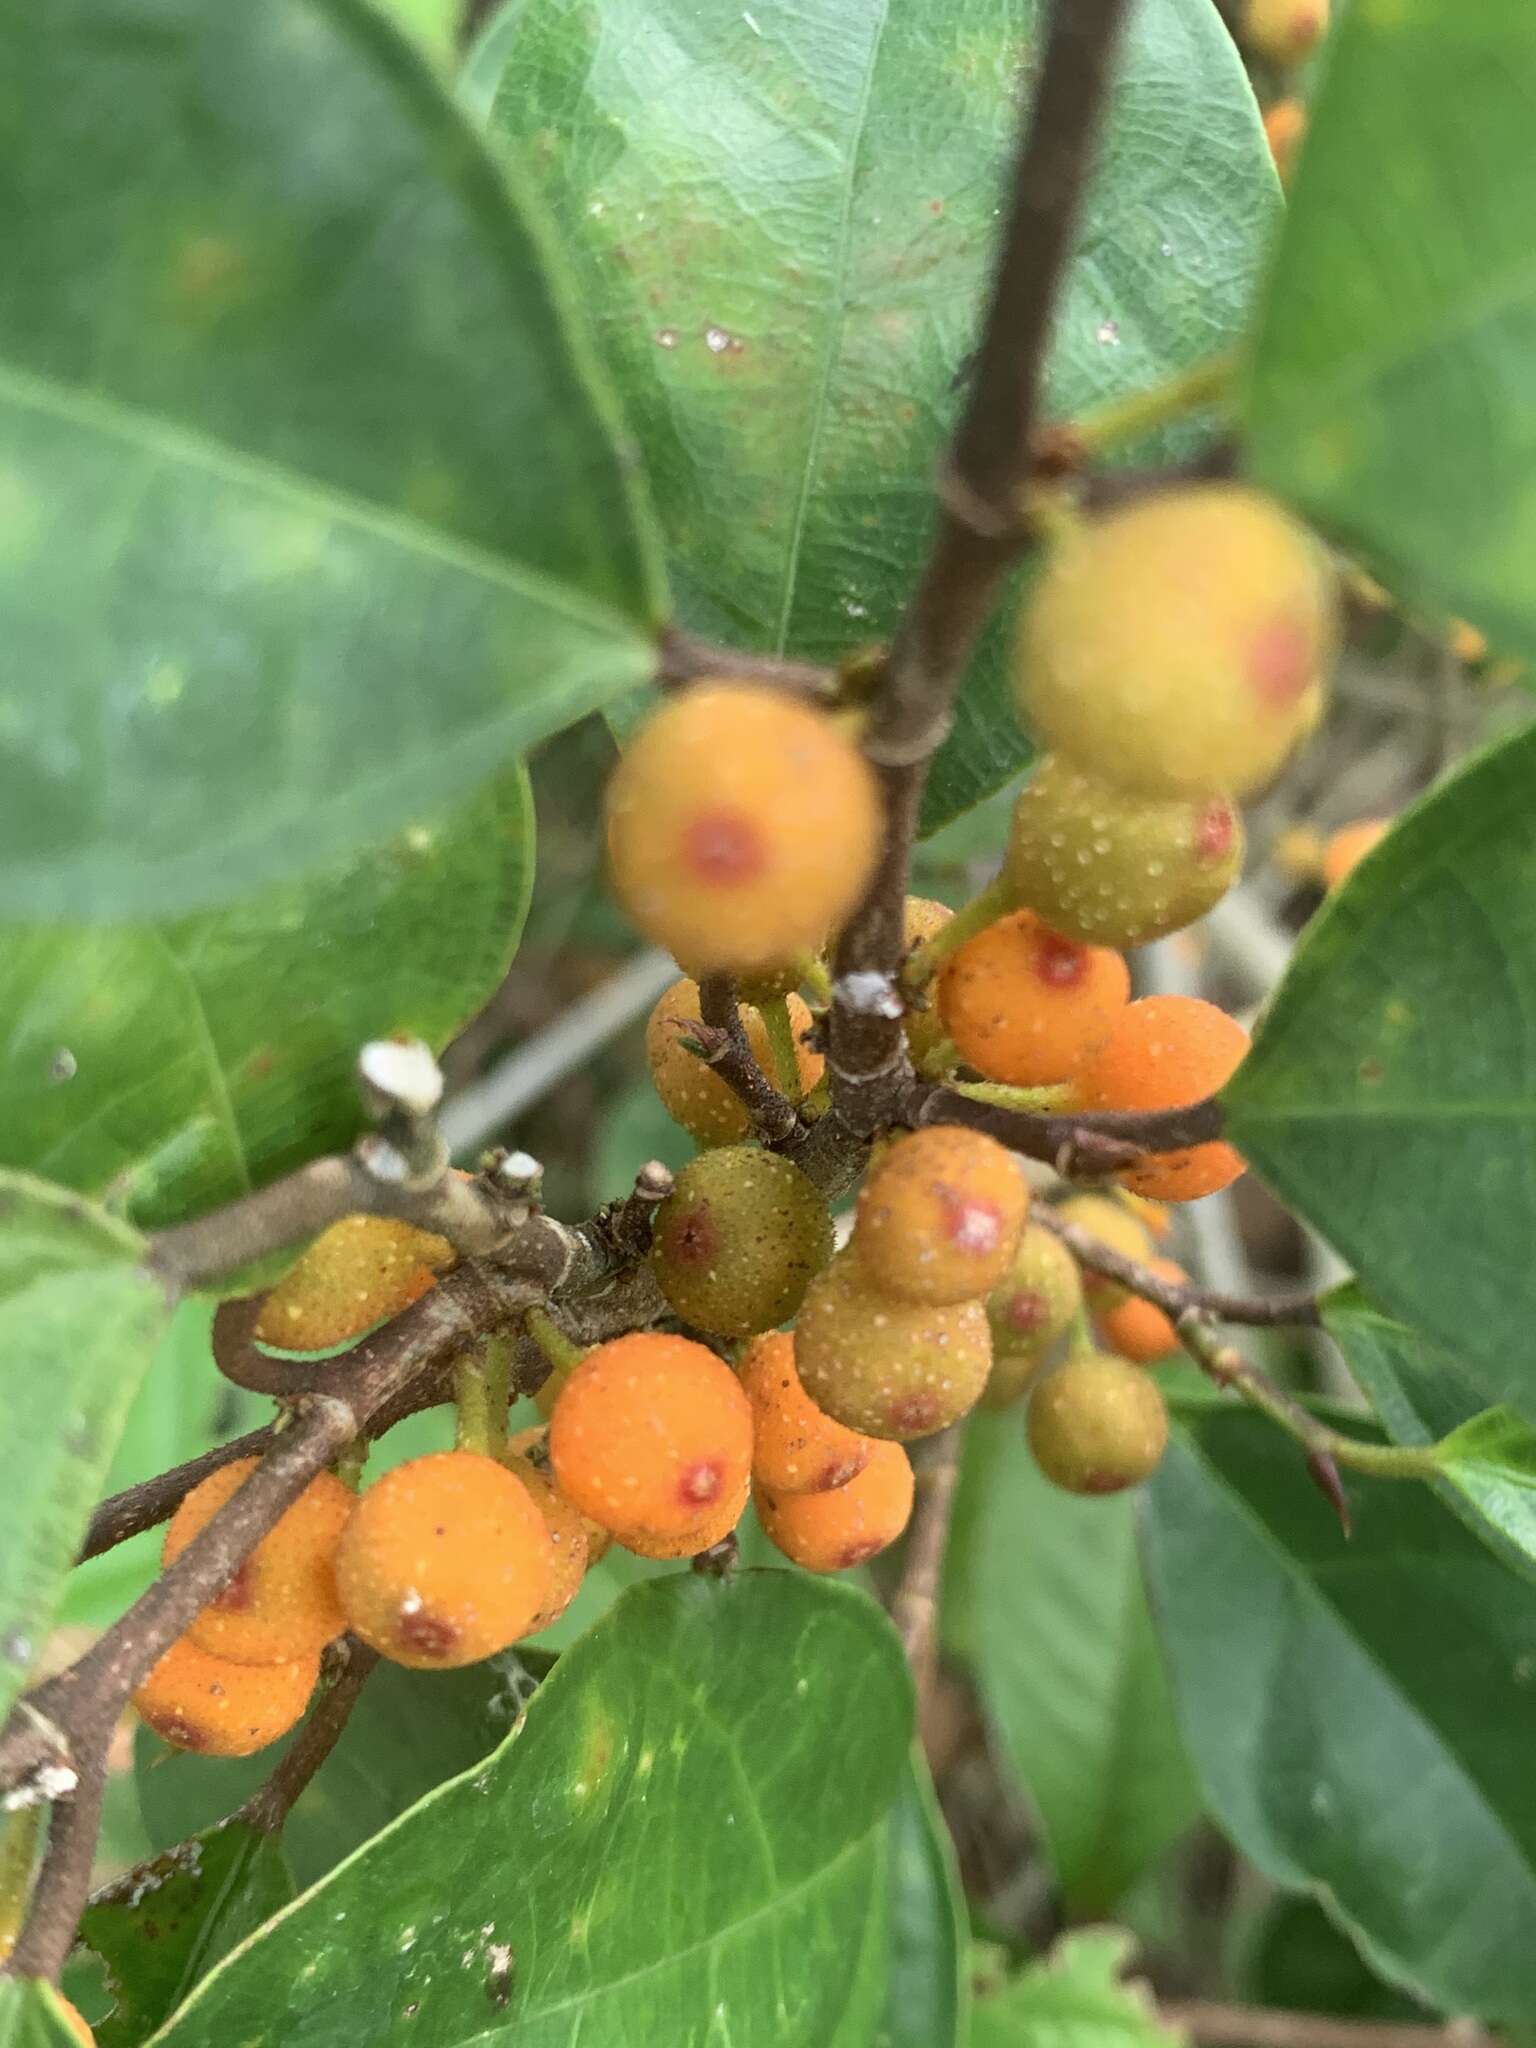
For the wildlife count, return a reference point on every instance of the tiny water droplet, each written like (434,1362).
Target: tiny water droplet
(1107,333)
(716,340)
(666,337)
(63,1066)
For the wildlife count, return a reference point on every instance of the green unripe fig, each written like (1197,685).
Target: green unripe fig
(884,1367)
(1097,1425)
(1181,643)
(1112,869)
(738,1240)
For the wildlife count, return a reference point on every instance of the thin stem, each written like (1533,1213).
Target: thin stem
(1227,1366)
(779,1025)
(915,1608)
(271,1803)
(1074,1142)
(728,1052)
(1173,1297)
(1053,1096)
(683,658)
(154,1501)
(563,1355)
(1109,426)
(43,1945)
(814,976)
(472,1414)
(496,1379)
(924,961)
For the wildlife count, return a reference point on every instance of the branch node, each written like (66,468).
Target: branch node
(517,1175)
(866,992)
(399,1075)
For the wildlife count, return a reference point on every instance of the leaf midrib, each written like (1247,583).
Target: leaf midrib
(114,419)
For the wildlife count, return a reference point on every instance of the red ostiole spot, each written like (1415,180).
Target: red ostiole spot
(1214,831)
(238,1594)
(857,1553)
(1025,1311)
(1280,662)
(970,1225)
(426,1634)
(837,1472)
(1103,1482)
(176,1729)
(1059,963)
(723,847)
(700,1483)
(694,1238)
(915,1414)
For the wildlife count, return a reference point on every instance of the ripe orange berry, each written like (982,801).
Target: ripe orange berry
(713,1529)
(692,1093)
(1025,1005)
(651,1434)
(1285,128)
(795,1448)
(1111,869)
(1117,1224)
(737,1241)
(1037,1297)
(1349,846)
(833,1531)
(884,1367)
(194,1701)
(924,1027)
(1164,1053)
(1139,1330)
(940,1215)
(742,827)
(1180,644)
(1284,31)
(1097,1425)
(531,1447)
(567,1529)
(360,1272)
(282,1602)
(446,1560)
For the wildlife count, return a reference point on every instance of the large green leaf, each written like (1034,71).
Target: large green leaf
(409,1732)
(660,1854)
(165,1926)
(1075,1998)
(30,2016)
(79,1320)
(1360,1711)
(784,216)
(1393,391)
(927,1992)
(1390,1095)
(1068,1666)
(1422,1396)
(312,512)
(181,1063)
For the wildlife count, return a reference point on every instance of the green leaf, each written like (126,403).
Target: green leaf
(164,1926)
(313,512)
(1076,1998)
(30,2016)
(182,1063)
(1358,1710)
(661,1853)
(784,216)
(1390,1096)
(79,1320)
(409,1732)
(927,1995)
(1393,388)
(1422,1396)
(1068,1666)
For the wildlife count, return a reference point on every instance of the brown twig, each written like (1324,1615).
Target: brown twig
(915,1607)
(1082,1142)
(982,531)
(1242,2026)
(725,1048)
(272,1802)
(684,658)
(1175,1297)
(632,1220)
(154,1501)
(63,1882)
